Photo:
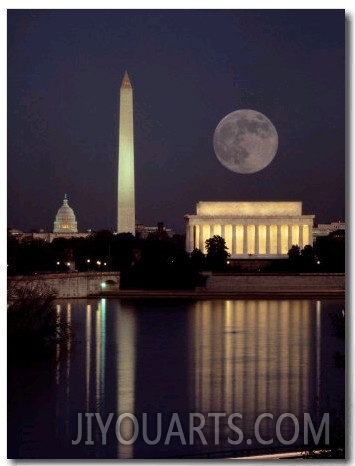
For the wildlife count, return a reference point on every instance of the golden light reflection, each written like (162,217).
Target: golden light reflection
(252,356)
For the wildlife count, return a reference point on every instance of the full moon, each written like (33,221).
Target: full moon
(245,141)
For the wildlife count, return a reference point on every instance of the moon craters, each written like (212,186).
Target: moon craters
(245,141)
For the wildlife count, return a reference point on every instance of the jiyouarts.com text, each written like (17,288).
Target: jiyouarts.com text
(127,427)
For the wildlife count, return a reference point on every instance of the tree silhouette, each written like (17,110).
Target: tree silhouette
(294,258)
(217,252)
(308,258)
(198,259)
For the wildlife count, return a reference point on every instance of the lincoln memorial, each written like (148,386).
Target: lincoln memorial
(257,229)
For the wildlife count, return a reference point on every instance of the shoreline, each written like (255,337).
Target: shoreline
(213,294)
(218,286)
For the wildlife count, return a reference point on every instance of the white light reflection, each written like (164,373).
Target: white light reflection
(318,353)
(57,351)
(68,351)
(98,358)
(126,340)
(88,350)
(100,333)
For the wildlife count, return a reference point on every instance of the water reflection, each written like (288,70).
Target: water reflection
(252,357)
(222,356)
(88,354)
(126,340)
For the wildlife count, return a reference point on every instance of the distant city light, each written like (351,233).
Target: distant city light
(103,285)
(58,263)
(98,262)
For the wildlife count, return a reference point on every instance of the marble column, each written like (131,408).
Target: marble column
(289,237)
(268,239)
(245,240)
(199,237)
(306,238)
(278,239)
(256,239)
(189,238)
(223,231)
(301,245)
(234,240)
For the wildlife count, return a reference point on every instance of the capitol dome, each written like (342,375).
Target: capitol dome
(65,221)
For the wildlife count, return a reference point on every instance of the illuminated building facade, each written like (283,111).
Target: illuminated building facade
(159,231)
(65,226)
(65,221)
(126,197)
(257,229)
(323,229)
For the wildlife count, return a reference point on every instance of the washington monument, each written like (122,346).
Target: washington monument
(126,222)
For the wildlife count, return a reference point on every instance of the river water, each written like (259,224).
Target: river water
(161,361)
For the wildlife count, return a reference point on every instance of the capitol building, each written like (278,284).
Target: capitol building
(65,226)
(65,221)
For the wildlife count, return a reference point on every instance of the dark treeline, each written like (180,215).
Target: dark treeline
(155,262)
(159,262)
(327,255)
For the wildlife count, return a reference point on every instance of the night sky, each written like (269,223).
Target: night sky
(188,69)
